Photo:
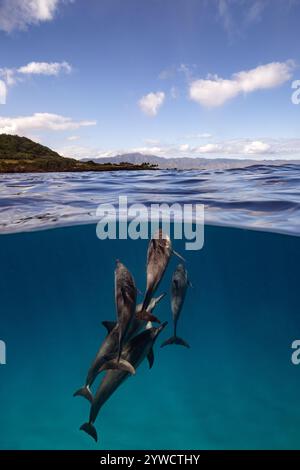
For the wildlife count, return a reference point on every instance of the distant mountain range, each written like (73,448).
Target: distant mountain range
(186,163)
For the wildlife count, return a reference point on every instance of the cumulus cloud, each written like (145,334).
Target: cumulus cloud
(215,91)
(40,121)
(151,103)
(3,92)
(10,77)
(45,68)
(256,147)
(263,149)
(19,14)
(208,148)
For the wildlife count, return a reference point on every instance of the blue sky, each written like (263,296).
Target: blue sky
(171,77)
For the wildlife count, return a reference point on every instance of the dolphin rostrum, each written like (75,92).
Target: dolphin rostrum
(134,352)
(180,283)
(109,346)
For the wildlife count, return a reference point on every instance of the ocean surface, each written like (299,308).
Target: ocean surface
(263,197)
(235,388)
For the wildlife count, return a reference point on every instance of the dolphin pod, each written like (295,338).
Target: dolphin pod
(130,339)
(135,351)
(109,346)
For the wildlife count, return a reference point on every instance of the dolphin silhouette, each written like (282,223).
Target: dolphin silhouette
(179,285)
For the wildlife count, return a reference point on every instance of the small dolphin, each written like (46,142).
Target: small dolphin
(180,283)
(125,298)
(134,352)
(109,347)
(158,257)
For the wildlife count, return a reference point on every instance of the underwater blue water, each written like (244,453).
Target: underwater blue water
(264,197)
(235,388)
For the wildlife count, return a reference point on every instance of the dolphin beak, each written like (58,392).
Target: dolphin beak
(161,327)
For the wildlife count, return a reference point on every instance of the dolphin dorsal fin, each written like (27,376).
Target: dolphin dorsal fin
(109,325)
(150,357)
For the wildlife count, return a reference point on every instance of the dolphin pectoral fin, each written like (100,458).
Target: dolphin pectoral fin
(190,284)
(146,316)
(84,392)
(175,340)
(90,429)
(109,325)
(178,255)
(154,301)
(150,358)
(122,364)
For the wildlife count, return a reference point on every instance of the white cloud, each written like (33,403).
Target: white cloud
(45,68)
(198,135)
(256,147)
(184,147)
(208,148)
(44,121)
(3,92)
(72,138)
(19,14)
(10,77)
(263,149)
(215,91)
(151,103)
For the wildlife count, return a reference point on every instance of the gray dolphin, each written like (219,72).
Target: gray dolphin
(109,347)
(158,257)
(125,298)
(180,283)
(135,351)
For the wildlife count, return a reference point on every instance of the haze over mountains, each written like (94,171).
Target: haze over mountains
(187,163)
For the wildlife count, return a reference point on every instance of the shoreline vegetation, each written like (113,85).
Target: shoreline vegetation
(22,155)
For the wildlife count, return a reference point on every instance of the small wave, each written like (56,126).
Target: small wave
(265,197)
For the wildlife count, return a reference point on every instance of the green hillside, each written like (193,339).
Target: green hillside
(22,155)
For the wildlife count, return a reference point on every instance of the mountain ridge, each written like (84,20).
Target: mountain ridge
(188,163)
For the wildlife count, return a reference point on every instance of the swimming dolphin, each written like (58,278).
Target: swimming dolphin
(135,351)
(158,257)
(109,347)
(125,298)
(180,283)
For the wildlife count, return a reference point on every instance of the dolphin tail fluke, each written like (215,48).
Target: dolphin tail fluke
(84,392)
(175,340)
(120,364)
(90,429)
